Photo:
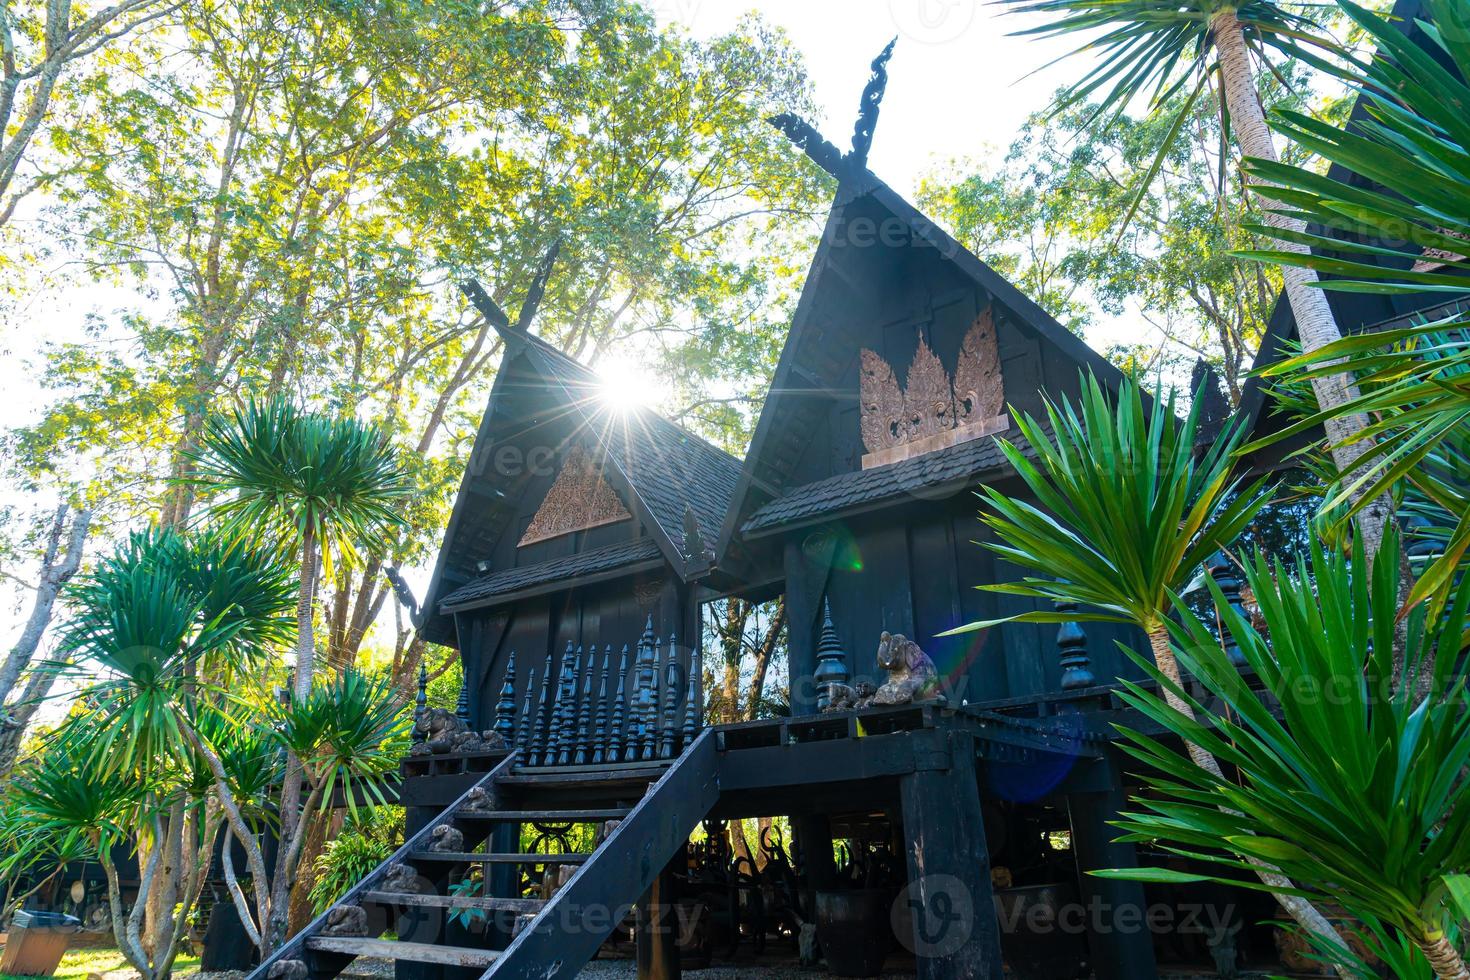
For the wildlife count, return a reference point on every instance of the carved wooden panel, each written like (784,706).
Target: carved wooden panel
(882,417)
(931,412)
(580,498)
(928,399)
(979,389)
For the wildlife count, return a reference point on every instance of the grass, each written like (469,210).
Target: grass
(78,964)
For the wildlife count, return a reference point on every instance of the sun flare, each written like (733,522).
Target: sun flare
(626,386)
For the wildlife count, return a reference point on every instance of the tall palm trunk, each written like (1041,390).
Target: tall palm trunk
(1316,325)
(277,922)
(1446,961)
(1303,912)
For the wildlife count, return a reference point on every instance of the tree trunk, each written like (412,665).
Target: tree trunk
(305,639)
(1316,325)
(1448,964)
(12,735)
(1302,911)
(57,568)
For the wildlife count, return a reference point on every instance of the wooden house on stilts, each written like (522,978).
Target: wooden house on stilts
(947,825)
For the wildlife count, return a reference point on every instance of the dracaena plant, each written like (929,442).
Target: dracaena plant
(323,486)
(1157,50)
(1408,231)
(1127,509)
(1354,787)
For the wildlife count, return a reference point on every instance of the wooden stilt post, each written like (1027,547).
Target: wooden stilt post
(1116,911)
(658,930)
(956,936)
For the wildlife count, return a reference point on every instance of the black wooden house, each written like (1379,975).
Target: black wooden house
(584,543)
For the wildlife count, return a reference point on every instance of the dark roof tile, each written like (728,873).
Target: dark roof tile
(567,567)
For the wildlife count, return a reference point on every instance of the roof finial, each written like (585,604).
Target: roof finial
(822,152)
(538,287)
(862,131)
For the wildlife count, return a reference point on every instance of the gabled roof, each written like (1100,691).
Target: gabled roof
(806,364)
(579,567)
(658,469)
(846,492)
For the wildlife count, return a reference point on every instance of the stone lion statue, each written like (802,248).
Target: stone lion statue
(912,678)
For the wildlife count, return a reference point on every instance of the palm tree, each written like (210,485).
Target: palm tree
(1381,823)
(1160,48)
(156,618)
(321,485)
(1414,143)
(174,630)
(1128,513)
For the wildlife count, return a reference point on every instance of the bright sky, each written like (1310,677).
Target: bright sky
(955,84)
(956,90)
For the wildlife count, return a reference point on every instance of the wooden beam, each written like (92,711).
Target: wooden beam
(410,900)
(1120,941)
(955,933)
(392,950)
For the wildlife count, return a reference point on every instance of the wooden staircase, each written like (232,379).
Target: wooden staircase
(656,806)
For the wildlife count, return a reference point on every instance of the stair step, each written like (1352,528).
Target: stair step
(544,816)
(412,900)
(462,857)
(392,950)
(642,773)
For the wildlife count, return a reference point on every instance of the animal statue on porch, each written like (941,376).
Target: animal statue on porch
(288,970)
(402,878)
(845,698)
(912,676)
(440,732)
(346,920)
(446,840)
(478,800)
(604,831)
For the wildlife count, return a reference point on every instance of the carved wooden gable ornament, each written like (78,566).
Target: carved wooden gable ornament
(580,498)
(932,411)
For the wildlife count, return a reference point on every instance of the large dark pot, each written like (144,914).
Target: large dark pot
(853,930)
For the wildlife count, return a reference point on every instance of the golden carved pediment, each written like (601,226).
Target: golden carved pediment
(932,410)
(579,498)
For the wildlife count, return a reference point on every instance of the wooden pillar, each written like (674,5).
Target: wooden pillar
(658,930)
(1116,912)
(955,933)
(814,846)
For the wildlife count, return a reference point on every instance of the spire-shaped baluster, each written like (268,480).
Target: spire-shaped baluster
(1072,652)
(462,707)
(669,684)
(421,702)
(615,725)
(599,716)
(584,712)
(523,731)
(539,739)
(648,700)
(559,751)
(831,660)
(505,708)
(637,704)
(691,702)
(1222,570)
